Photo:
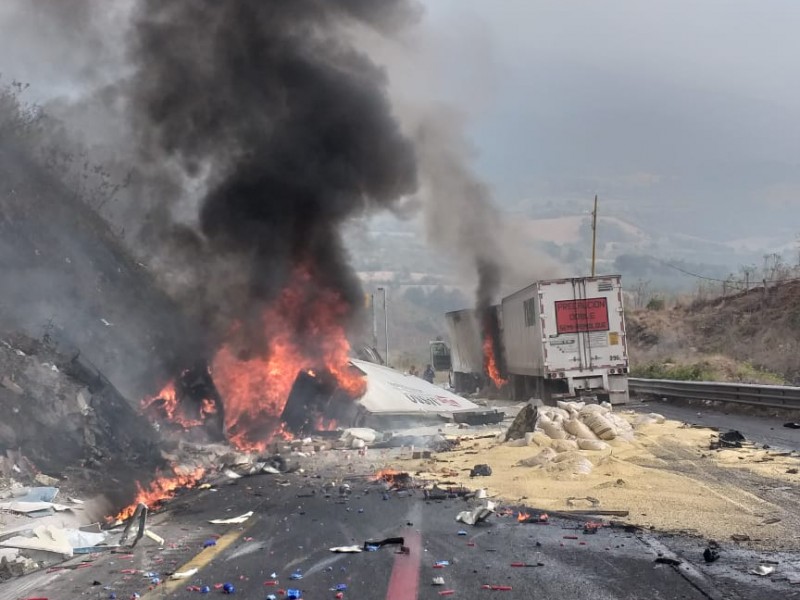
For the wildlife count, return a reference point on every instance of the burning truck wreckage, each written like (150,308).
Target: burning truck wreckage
(215,354)
(216,423)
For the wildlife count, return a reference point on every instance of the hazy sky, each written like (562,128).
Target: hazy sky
(681,114)
(690,106)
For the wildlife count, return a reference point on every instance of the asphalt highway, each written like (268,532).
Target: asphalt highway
(297,519)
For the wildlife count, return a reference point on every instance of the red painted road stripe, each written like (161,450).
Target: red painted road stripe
(404,581)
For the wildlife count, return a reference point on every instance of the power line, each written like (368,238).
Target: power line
(732,283)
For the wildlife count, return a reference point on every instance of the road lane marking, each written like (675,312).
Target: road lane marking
(404,580)
(199,562)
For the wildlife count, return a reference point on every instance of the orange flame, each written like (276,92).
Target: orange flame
(304,330)
(323,424)
(491,363)
(171,407)
(386,474)
(160,489)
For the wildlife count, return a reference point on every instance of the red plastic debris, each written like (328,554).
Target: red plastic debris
(471,544)
(339,596)
(193,588)
(581,543)
(497,588)
(271,582)
(218,586)
(447,592)
(129,571)
(438,566)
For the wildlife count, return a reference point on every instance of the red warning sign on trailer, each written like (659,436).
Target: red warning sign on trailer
(581,316)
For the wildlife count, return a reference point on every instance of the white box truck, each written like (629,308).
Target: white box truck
(559,338)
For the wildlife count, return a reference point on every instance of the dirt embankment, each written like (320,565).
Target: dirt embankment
(747,337)
(62,417)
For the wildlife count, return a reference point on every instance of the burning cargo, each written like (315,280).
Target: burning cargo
(555,338)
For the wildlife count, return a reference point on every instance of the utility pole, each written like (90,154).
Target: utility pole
(374,321)
(385,324)
(594,233)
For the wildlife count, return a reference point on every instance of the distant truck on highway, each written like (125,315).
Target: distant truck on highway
(555,339)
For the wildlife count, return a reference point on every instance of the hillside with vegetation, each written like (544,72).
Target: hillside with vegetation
(750,335)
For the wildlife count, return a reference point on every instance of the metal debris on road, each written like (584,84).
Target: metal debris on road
(477,515)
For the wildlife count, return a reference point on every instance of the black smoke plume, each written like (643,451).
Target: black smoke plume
(268,108)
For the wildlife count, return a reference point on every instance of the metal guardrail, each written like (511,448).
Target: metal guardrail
(770,396)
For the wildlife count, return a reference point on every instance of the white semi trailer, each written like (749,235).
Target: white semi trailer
(558,338)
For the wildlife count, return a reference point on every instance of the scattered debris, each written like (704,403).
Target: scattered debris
(730,439)
(370,545)
(762,570)
(481,470)
(438,581)
(183,574)
(792,425)
(575,501)
(710,555)
(666,560)
(233,520)
(477,515)
(48,538)
(524,422)
(346,549)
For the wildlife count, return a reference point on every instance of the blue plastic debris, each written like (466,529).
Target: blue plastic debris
(296,575)
(293,594)
(385,496)
(462,532)
(155,580)
(370,548)
(228,589)
(442,563)
(205,589)
(340,587)
(112,596)
(209,542)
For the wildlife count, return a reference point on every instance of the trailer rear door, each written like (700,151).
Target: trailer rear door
(583,326)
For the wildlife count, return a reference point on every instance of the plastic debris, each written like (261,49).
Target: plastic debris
(461,532)
(228,589)
(497,588)
(233,520)
(447,592)
(475,516)
(183,574)
(293,594)
(762,570)
(211,542)
(296,575)
(205,590)
(340,587)
(438,581)
(272,597)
